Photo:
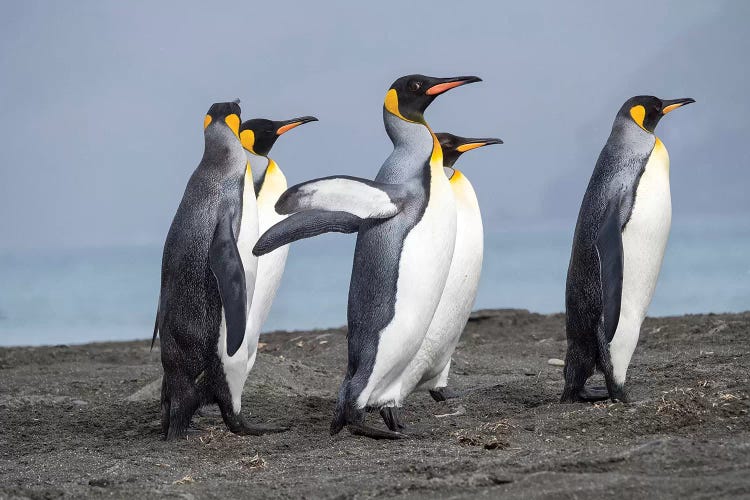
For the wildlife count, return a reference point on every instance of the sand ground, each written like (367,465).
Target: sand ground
(84,421)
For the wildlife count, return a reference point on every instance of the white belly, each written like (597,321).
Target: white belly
(644,241)
(270,266)
(235,367)
(430,366)
(423,270)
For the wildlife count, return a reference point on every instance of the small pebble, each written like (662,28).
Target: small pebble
(555,362)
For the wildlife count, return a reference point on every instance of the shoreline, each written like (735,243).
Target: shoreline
(80,420)
(339,327)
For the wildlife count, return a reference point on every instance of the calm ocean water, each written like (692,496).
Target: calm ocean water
(87,295)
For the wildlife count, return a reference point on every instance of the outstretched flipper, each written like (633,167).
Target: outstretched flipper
(611,263)
(330,205)
(305,225)
(226,264)
(363,198)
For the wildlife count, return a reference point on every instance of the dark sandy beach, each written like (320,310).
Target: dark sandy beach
(83,421)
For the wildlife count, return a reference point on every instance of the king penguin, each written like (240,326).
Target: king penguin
(429,369)
(204,297)
(264,180)
(618,248)
(406,225)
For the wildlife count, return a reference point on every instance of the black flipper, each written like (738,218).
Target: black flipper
(611,263)
(226,264)
(305,225)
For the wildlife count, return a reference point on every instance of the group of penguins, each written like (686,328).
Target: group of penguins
(417,260)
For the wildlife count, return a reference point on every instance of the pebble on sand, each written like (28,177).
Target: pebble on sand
(555,362)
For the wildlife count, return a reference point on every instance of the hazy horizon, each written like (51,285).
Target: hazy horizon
(103,103)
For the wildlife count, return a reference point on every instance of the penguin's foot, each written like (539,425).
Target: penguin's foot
(584,394)
(593,394)
(392,418)
(374,433)
(209,411)
(619,393)
(440,394)
(238,425)
(259,429)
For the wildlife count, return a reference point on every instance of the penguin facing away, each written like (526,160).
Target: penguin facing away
(203,301)
(265,180)
(618,247)
(405,222)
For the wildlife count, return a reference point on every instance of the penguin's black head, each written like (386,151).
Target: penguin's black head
(647,110)
(454,146)
(410,95)
(227,113)
(259,135)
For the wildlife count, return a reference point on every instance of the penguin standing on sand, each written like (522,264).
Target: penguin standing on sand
(265,180)
(618,247)
(406,224)
(204,296)
(429,369)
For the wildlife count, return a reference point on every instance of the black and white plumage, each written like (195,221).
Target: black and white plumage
(204,296)
(618,247)
(406,223)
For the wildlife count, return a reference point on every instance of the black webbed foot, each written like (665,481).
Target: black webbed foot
(209,411)
(444,393)
(238,425)
(374,433)
(392,418)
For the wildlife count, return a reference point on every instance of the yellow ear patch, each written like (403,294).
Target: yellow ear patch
(469,146)
(247,138)
(638,113)
(391,104)
(207,121)
(233,122)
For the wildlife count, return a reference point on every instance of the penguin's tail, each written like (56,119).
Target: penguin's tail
(339,421)
(341,413)
(156,324)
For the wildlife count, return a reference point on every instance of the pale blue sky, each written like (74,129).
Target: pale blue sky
(101,103)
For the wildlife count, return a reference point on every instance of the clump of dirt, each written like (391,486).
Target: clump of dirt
(84,421)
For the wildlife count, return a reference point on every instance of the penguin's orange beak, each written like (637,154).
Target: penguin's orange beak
(288,125)
(477,143)
(673,104)
(445,84)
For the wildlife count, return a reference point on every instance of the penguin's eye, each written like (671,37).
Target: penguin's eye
(414,85)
